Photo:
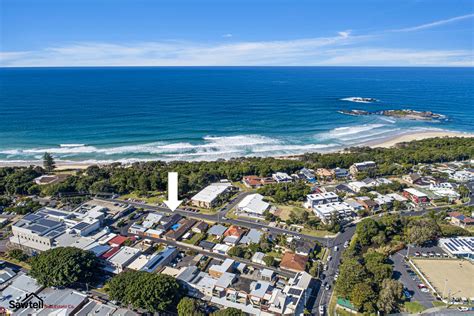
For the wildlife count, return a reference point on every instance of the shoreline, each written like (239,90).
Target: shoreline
(379,143)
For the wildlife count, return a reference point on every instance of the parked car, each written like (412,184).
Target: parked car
(406,293)
(321,309)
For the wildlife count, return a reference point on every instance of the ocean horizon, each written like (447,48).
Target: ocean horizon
(105,114)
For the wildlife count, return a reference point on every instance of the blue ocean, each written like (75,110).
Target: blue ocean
(208,113)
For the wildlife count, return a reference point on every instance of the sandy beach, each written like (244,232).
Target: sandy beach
(390,142)
(384,143)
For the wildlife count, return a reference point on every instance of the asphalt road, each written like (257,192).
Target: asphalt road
(219,218)
(324,296)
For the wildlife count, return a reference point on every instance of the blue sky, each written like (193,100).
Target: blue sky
(244,32)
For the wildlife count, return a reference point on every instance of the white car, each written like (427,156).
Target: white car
(321,309)
(336,248)
(329,258)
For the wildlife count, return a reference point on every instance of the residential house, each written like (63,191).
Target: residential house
(281,177)
(415,196)
(258,258)
(308,175)
(200,227)
(320,198)
(217,230)
(366,166)
(413,178)
(461,220)
(368,204)
(216,270)
(325,174)
(293,262)
(182,227)
(340,173)
(252,237)
(257,182)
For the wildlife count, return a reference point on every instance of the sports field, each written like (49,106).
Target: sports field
(457,275)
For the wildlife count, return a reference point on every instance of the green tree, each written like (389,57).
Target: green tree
(390,296)
(375,263)
(236,251)
(64,266)
(48,162)
(422,230)
(362,296)
(18,254)
(189,307)
(229,312)
(366,230)
(352,272)
(269,261)
(151,291)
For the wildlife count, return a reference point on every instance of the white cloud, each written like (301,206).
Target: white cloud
(344,34)
(341,49)
(228,35)
(435,24)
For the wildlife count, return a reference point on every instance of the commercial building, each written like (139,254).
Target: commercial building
(212,195)
(38,231)
(121,259)
(253,205)
(462,247)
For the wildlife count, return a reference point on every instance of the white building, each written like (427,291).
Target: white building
(253,205)
(210,195)
(320,198)
(462,176)
(459,246)
(119,261)
(341,209)
(281,177)
(356,186)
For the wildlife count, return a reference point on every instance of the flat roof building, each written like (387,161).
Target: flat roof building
(210,195)
(253,205)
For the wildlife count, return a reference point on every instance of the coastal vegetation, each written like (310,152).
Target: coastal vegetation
(152,176)
(48,162)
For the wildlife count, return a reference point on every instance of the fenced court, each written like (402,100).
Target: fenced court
(449,275)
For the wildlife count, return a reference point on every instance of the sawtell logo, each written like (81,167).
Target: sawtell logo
(30,301)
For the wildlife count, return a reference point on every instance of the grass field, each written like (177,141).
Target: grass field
(151,198)
(455,275)
(413,307)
